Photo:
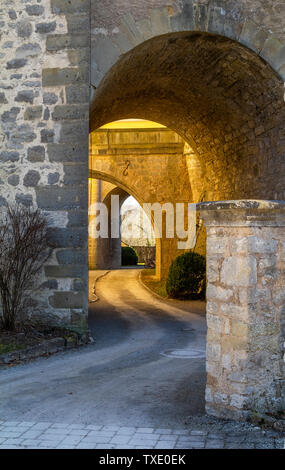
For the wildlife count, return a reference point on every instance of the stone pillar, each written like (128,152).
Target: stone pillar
(245,307)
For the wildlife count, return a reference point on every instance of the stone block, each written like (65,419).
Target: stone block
(218,293)
(34,10)
(77,94)
(44,28)
(25,96)
(216,245)
(54,345)
(53,178)
(216,20)
(65,76)
(160,21)
(129,27)
(215,323)
(200,17)
(68,153)
(238,271)
(16,63)
(3,99)
(47,135)
(9,156)
(50,98)
(239,329)
(123,42)
(68,7)
(68,257)
(31,179)
(13,180)
(78,218)
(68,238)
(64,271)
(75,173)
(28,50)
(24,28)
(144,28)
(63,300)
(77,24)
(274,52)
(74,132)
(185,20)
(70,112)
(57,42)
(213,352)
(104,53)
(62,198)
(262,246)
(32,113)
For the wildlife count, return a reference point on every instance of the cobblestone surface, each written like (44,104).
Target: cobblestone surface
(44,435)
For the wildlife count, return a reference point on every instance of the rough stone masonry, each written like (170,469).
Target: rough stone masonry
(44,95)
(212,71)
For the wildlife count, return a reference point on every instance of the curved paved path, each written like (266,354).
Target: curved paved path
(125,391)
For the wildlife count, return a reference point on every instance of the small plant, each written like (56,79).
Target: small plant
(129,256)
(187,277)
(23,252)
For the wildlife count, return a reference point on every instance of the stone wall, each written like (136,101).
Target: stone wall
(245,308)
(44,123)
(147,164)
(213,73)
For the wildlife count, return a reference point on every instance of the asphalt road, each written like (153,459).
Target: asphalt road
(147,367)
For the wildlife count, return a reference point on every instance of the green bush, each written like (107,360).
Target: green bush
(129,256)
(187,277)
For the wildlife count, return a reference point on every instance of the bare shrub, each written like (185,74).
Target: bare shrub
(23,252)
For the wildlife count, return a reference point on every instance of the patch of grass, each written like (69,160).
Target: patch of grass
(149,279)
(6,348)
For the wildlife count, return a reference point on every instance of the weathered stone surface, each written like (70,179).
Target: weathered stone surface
(239,271)
(67,152)
(3,99)
(244,331)
(25,199)
(34,10)
(28,50)
(72,257)
(66,300)
(25,96)
(9,156)
(32,178)
(65,76)
(16,63)
(24,28)
(66,7)
(53,178)
(13,180)
(70,112)
(57,42)
(62,271)
(50,98)
(62,198)
(44,28)
(68,238)
(77,94)
(11,115)
(36,153)
(47,135)
(32,113)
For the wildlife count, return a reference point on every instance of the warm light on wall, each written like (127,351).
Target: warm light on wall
(133,124)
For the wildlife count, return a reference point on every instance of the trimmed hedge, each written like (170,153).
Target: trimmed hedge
(129,256)
(187,277)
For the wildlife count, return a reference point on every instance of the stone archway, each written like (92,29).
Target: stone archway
(239,144)
(218,85)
